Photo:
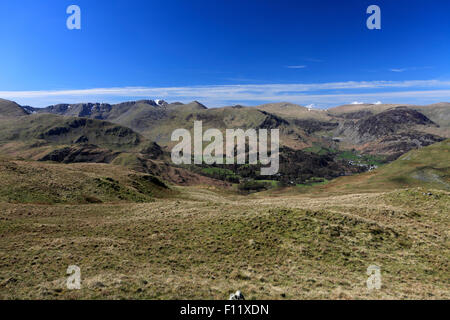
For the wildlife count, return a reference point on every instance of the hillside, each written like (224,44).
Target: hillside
(37,182)
(50,137)
(10,109)
(203,245)
(398,127)
(340,141)
(157,121)
(355,111)
(141,228)
(392,132)
(293,111)
(426,167)
(439,113)
(66,130)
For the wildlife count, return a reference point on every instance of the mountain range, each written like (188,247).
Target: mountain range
(93,184)
(323,144)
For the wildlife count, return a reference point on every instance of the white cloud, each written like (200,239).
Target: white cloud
(378,102)
(296,67)
(397,70)
(409,69)
(357,102)
(320,94)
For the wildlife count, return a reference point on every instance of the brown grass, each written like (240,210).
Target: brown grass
(204,245)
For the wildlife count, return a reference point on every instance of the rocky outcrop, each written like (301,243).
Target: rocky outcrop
(84,153)
(391,132)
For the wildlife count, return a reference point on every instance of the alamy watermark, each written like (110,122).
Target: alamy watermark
(374,280)
(74,279)
(74,20)
(374,21)
(235,141)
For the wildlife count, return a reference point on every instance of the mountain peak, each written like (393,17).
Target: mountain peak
(11,109)
(195,105)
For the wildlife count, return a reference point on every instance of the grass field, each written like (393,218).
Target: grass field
(50,183)
(205,245)
(134,238)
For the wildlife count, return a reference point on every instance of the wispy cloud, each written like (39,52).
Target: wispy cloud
(320,94)
(397,70)
(296,67)
(408,69)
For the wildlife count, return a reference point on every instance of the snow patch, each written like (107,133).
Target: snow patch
(310,106)
(160,102)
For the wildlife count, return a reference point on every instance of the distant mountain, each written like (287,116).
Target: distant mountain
(68,130)
(68,140)
(352,110)
(389,129)
(93,110)
(157,120)
(11,109)
(377,129)
(294,111)
(438,112)
(50,137)
(103,132)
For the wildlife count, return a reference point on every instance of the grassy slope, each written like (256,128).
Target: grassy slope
(66,130)
(37,182)
(35,136)
(10,109)
(158,123)
(426,167)
(209,245)
(293,111)
(439,113)
(204,245)
(183,117)
(350,108)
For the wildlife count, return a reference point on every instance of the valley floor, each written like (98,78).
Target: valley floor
(204,245)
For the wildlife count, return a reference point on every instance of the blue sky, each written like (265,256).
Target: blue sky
(223,52)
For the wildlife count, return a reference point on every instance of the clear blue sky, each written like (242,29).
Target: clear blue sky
(225,51)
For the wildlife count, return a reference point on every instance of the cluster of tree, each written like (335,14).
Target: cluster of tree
(250,186)
(296,167)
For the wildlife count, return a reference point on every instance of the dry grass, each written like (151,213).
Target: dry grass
(204,245)
(39,182)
